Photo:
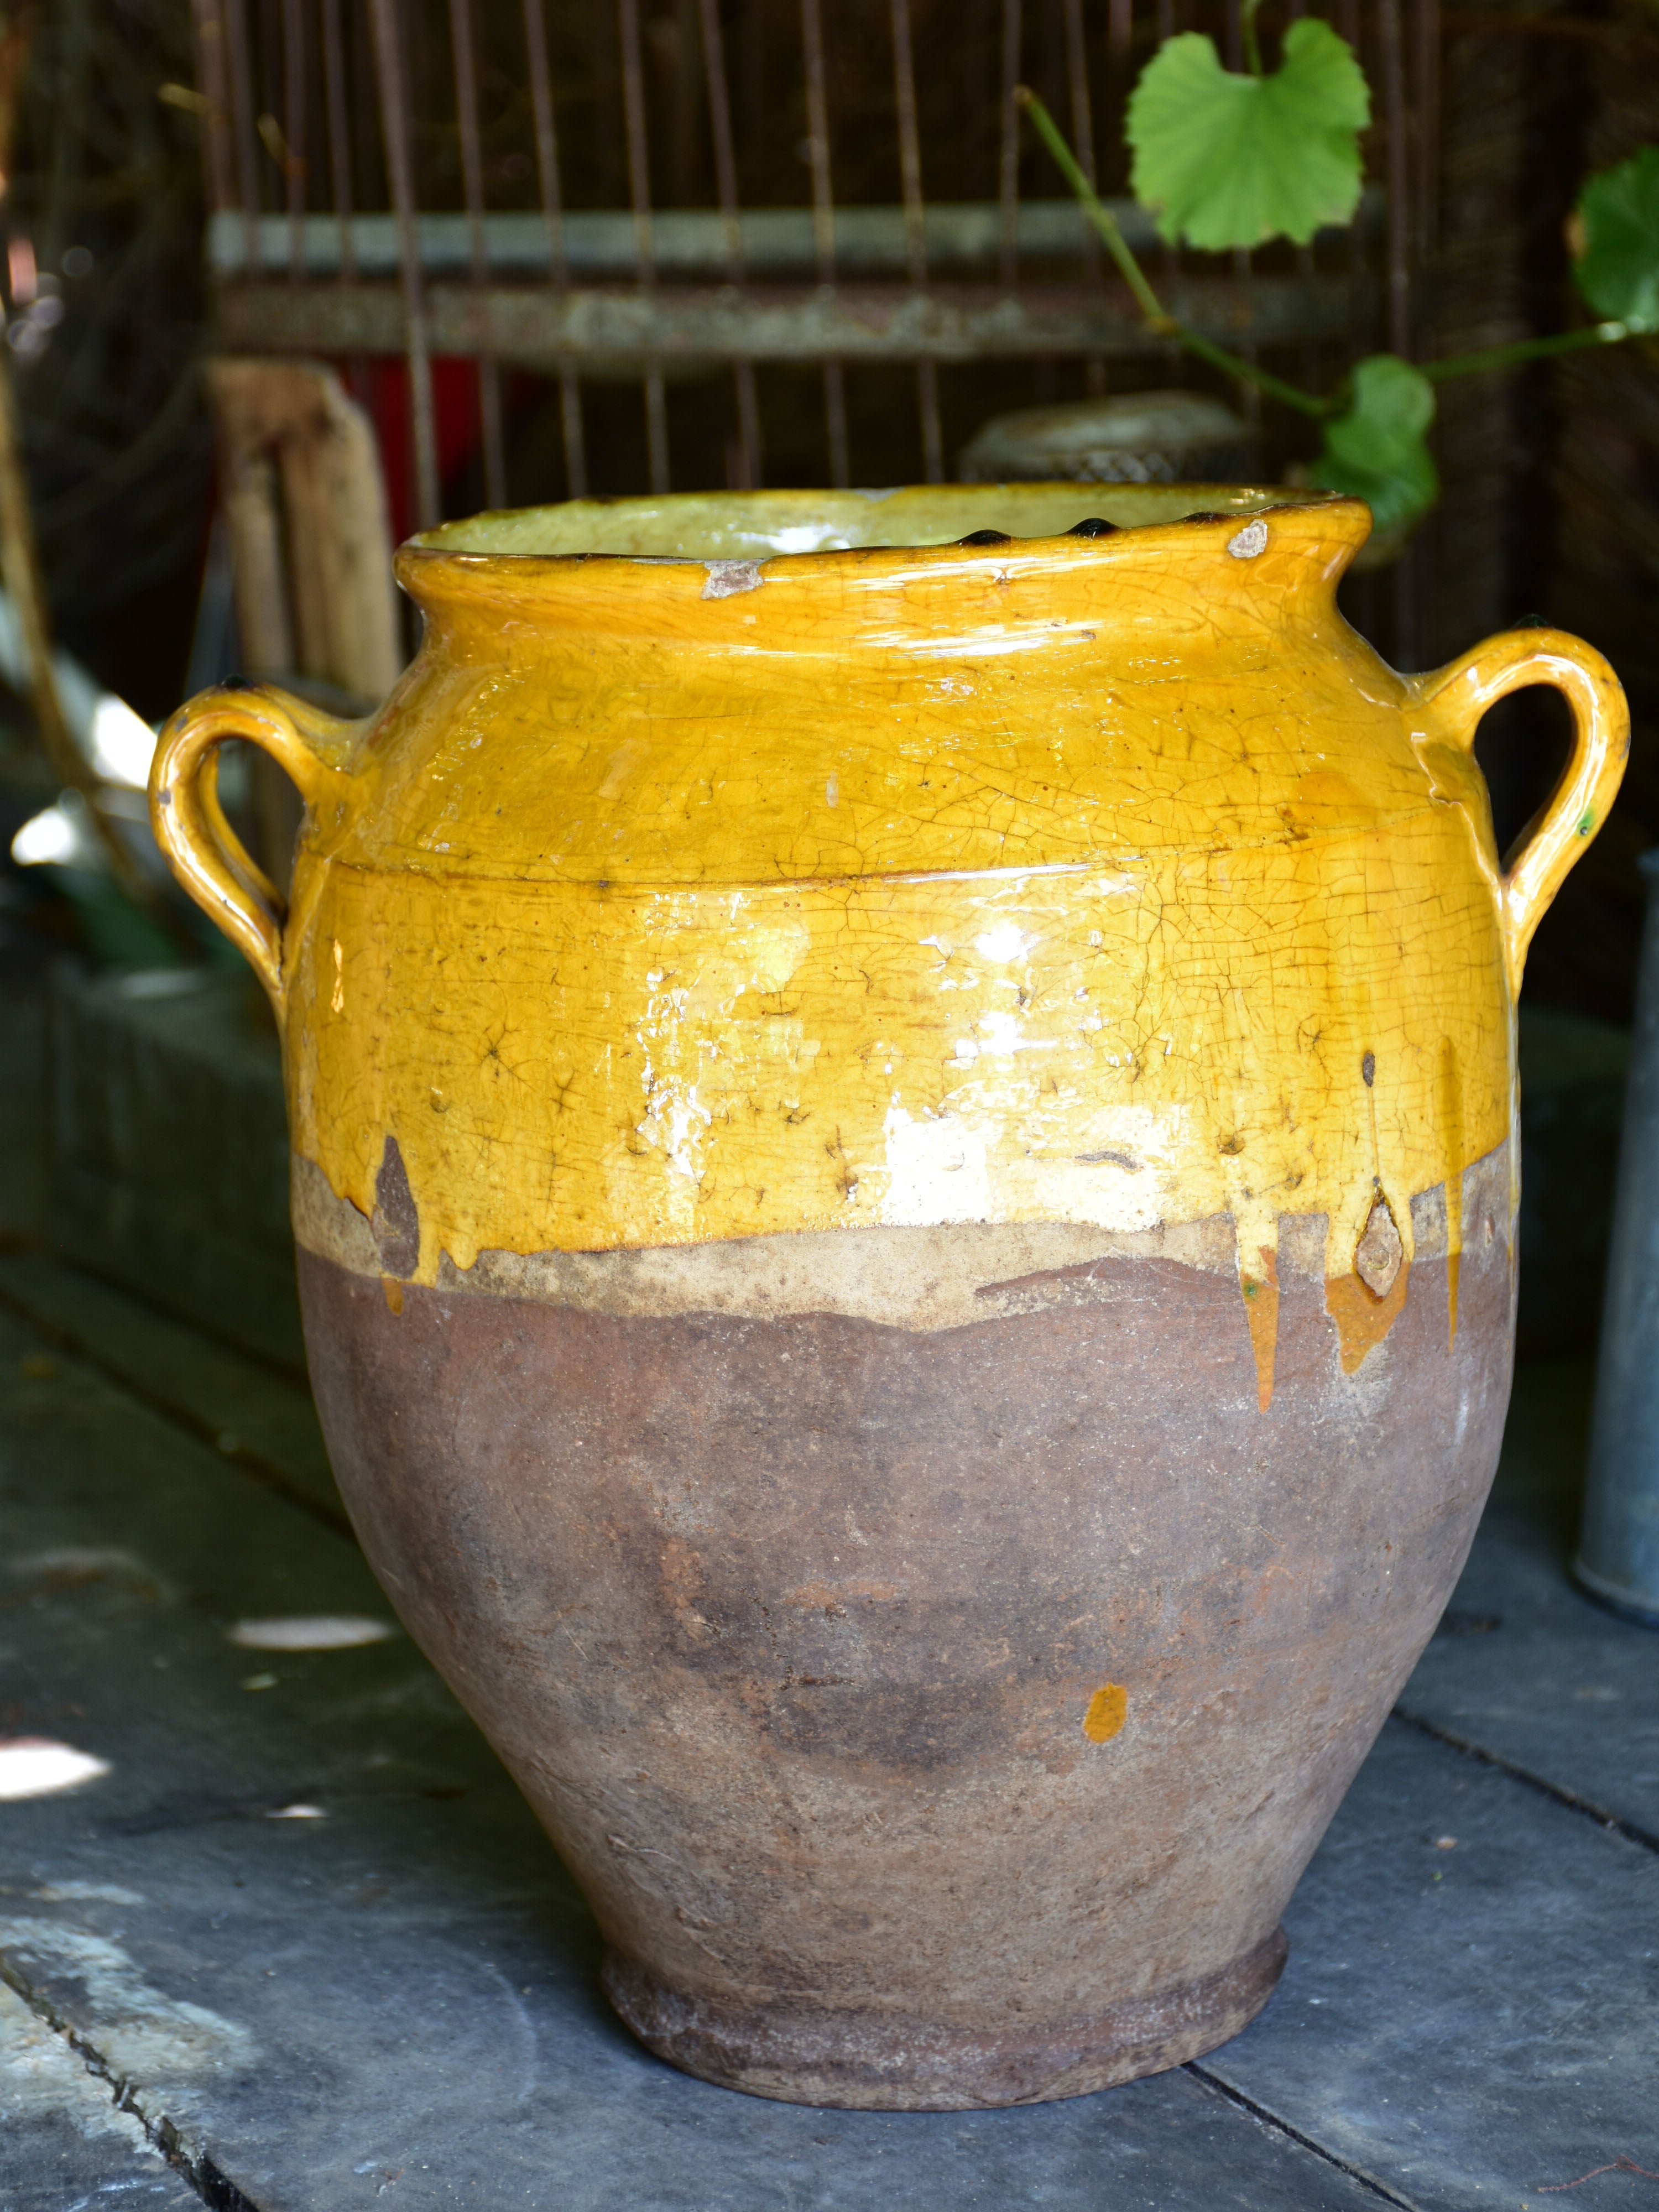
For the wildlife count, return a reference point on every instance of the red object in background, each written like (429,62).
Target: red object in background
(382,386)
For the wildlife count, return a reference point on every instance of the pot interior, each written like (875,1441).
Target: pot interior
(746,525)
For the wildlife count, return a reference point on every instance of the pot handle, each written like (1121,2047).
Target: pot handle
(203,850)
(1454,699)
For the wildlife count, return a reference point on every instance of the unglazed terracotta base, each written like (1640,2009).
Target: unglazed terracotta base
(939,1697)
(807,2054)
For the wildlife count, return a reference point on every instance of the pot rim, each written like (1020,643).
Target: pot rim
(746,530)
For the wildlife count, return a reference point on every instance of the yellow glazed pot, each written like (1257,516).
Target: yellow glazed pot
(902,1110)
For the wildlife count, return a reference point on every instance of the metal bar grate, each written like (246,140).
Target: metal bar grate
(565,194)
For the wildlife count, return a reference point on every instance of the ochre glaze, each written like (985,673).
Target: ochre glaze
(1259,1286)
(1362,1319)
(1107,1709)
(710,888)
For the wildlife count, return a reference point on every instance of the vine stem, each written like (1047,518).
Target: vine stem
(1157,318)
(1252,43)
(1526,349)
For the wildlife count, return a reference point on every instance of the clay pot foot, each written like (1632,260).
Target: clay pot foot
(805,2054)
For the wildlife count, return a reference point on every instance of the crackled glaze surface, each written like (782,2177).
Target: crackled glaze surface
(904,1173)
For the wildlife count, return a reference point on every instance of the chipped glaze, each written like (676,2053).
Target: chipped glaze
(730,866)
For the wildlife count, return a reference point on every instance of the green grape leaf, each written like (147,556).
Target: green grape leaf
(1223,160)
(1617,223)
(1375,450)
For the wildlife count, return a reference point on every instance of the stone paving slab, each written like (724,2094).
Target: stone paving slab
(257,1418)
(313,1924)
(1526,1665)
(65,2144)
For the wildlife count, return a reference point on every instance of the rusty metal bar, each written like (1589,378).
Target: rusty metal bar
(462,33)
(639,188)
(1400,320)
(340,132)
(904,92)
(823,227)
(244,126)
(383,15)
(1083,119)
(213,76)
(705,326)
(1167,24)
(1347,15)
(915,226)
(294,130)
(1083,139)
(1426,26)
(817,126)
(1397,126)
(778,244)
(1008,165)
(720,129)
(547,171)
(1120,30)
(725,177)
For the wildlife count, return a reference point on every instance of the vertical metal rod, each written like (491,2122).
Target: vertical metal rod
(720,127)
(1083,120)
(1398,127)
(339,133)
(294,129)
(817,126)
(461,36)
(1083,138)
(213,75)
(835,424)
(1008,167)
(547,170)
(725,177)
(1250,396)
(915,228)
(645,253)
(1167,25)
(638,156)
(383,15)
(1425,25)
(1120,31)
(243,128)
(823,227)
(1348,28)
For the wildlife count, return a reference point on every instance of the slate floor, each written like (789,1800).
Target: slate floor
(300,1949)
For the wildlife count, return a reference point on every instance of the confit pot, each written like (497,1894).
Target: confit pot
(905,1175)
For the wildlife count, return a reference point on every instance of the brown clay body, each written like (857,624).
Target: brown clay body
(791,1627)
